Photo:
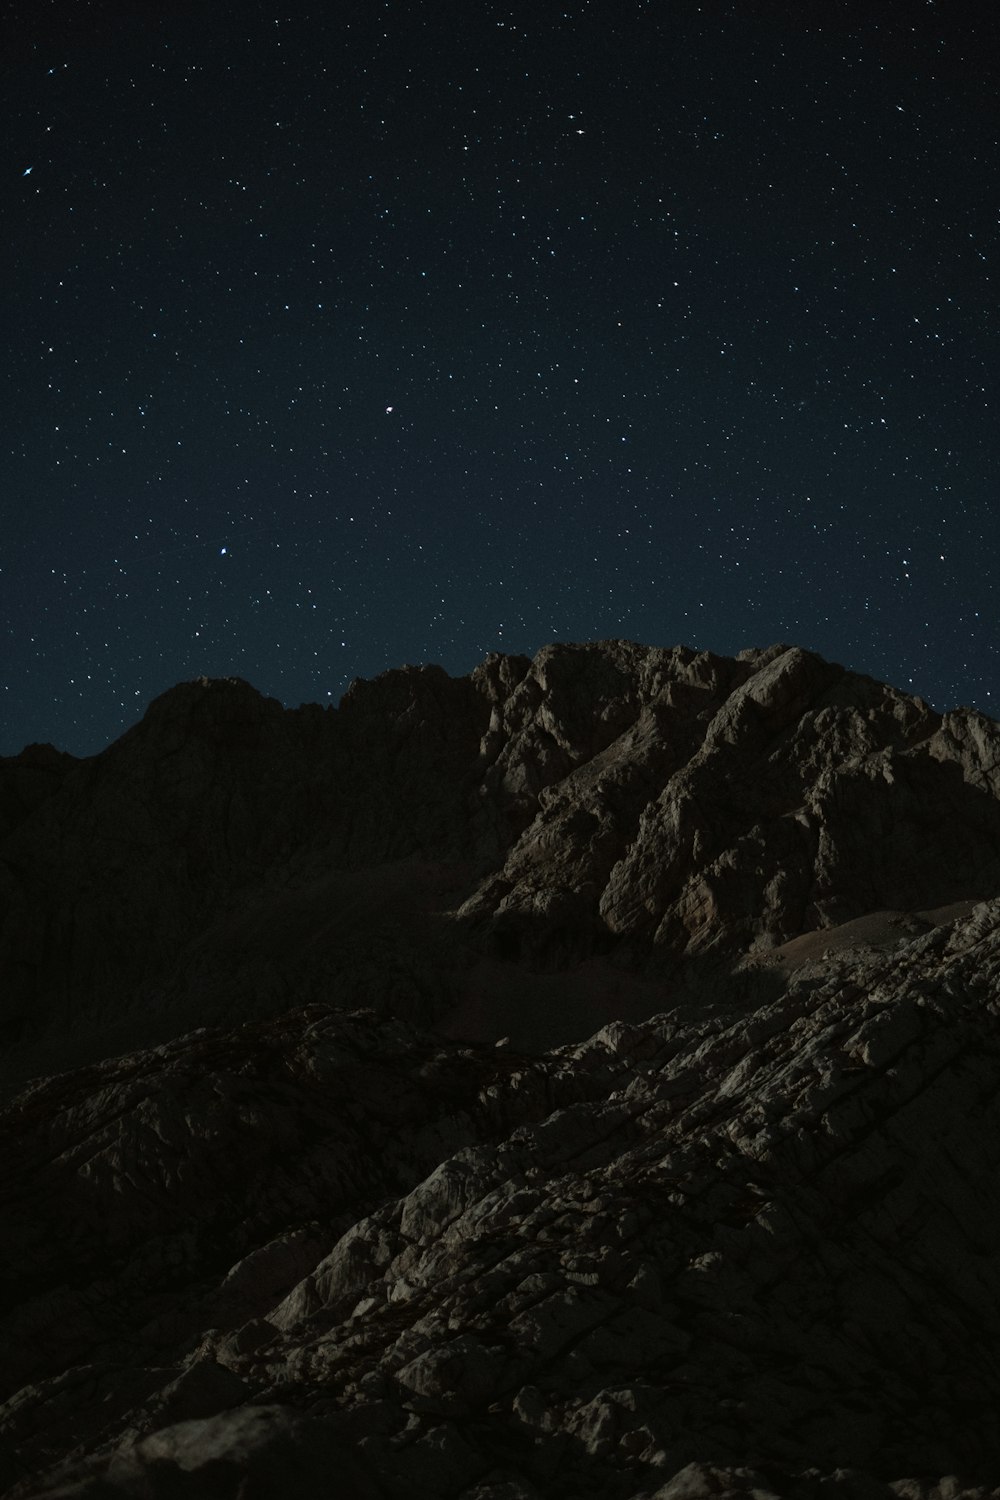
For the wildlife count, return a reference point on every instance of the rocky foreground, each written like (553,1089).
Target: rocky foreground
(728,1253)
(371,1243)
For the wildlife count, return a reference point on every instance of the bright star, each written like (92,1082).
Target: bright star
(27,171)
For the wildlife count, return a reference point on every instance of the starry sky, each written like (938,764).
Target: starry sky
(345,336)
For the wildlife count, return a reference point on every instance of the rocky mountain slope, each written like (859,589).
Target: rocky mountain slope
(654,813)
(714,1217)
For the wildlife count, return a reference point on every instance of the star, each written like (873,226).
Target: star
(664,451)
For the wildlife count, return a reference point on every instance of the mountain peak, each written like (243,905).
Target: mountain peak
(421,1085)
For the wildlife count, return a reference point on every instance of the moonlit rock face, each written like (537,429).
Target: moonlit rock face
(580,1073)
(651,805)
(537,1245)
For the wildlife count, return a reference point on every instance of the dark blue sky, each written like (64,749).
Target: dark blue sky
(346,336)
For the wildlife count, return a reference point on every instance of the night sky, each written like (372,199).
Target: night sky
(342,336)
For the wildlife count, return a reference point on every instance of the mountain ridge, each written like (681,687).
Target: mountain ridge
(574,1078)
(661,806)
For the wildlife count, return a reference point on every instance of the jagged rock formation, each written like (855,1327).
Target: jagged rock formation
(734,1235)
(732,804)
(712,1253)
(670,810)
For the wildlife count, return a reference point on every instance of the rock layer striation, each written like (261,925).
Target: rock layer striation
(290,1202)
(673,810)
(710,1253)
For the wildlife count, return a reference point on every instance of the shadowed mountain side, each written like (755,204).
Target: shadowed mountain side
(663,810)
(219,808)
(578,1078)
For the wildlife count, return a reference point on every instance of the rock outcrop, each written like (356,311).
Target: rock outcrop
(713,1253)
(720,805)
(574,1079)
(670,810)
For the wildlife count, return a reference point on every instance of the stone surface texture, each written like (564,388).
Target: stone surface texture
(279,1227)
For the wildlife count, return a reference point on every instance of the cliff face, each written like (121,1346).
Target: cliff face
(292,1215)
(703,804)
(227,858)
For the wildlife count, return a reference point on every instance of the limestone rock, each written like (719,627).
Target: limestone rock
(720,1252)
(726,806)
(278,1216)
(663,809)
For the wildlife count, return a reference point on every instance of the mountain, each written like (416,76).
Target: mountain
(578,1078)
